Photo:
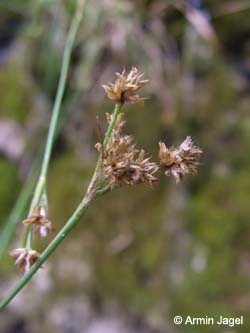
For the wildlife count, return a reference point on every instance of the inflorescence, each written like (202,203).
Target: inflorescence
(181,160)
(121,163)
(24,258)
(124,90)
(39,221)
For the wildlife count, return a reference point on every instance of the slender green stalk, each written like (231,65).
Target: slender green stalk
(41,184)
(117,110)
(58,100)
(92,192)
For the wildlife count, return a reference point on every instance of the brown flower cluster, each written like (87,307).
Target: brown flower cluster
(122,163)
(180,161)
(124,90)
(25,258)
(39,221)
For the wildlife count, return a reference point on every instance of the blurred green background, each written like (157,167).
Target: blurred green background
(139,256)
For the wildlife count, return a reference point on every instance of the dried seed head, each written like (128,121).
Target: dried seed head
(121,162)
(24,258)
(124,90)
(180,161)
(39,221)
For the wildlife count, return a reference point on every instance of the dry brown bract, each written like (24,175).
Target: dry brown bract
(39,221)
(124,90)
(122,163)
(24,258)
(180,161)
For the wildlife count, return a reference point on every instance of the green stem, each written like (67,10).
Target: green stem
(58,100)
(117,110)
(41,184)
(97,181)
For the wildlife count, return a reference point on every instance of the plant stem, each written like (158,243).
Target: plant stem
(96,181)
(117,110)
(92,192)
(40,188)
(58,101)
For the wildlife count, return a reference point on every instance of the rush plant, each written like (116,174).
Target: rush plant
(120,163)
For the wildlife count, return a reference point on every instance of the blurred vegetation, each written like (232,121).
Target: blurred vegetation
(154,253)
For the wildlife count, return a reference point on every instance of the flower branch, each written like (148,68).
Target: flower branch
(120,163)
